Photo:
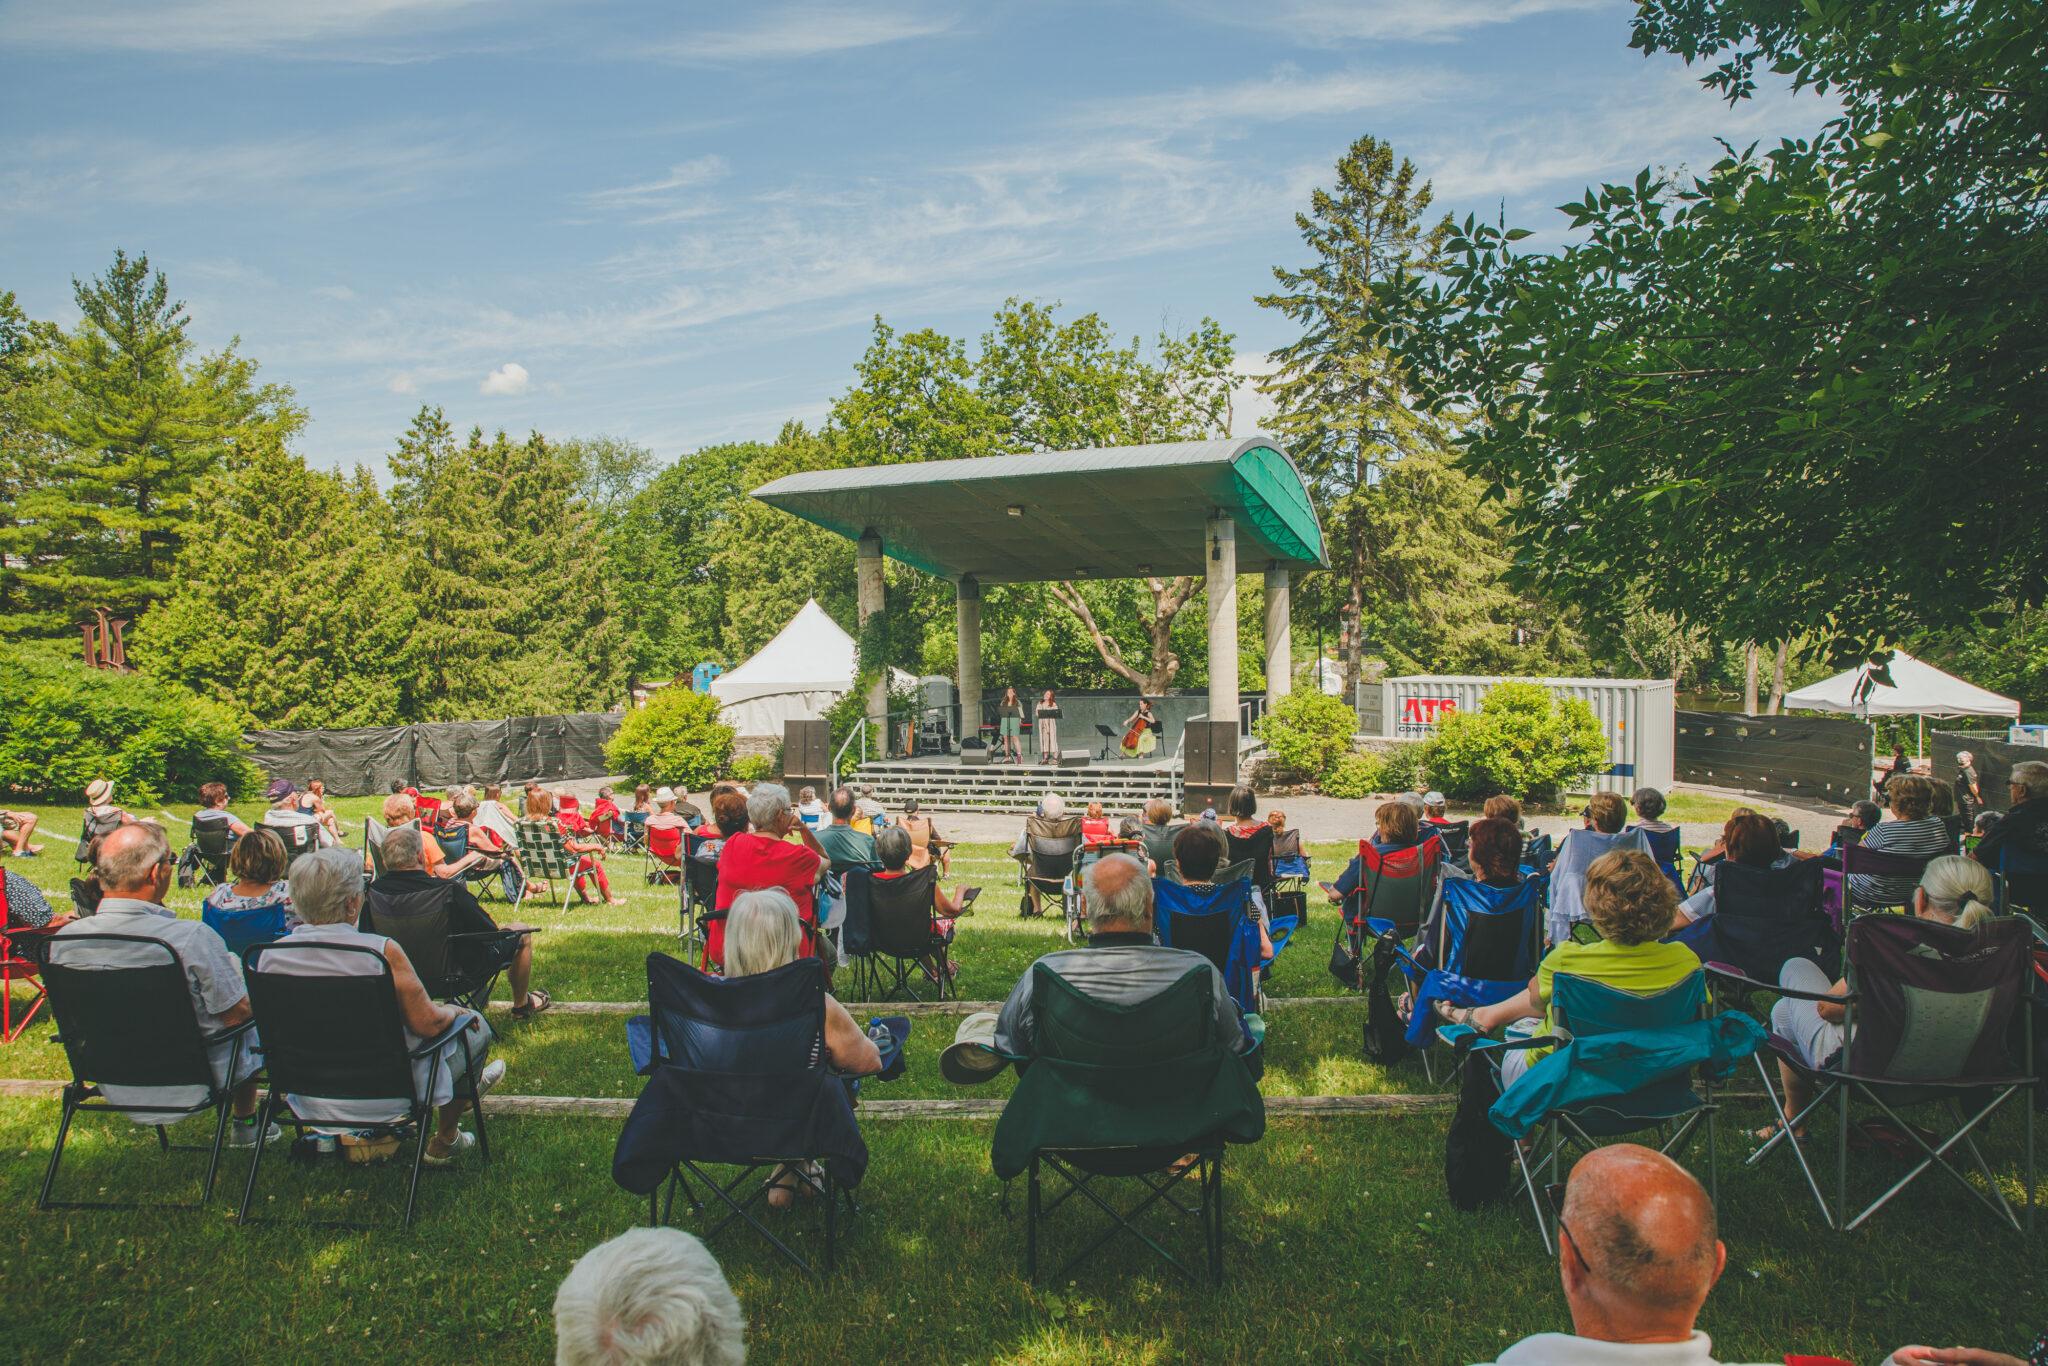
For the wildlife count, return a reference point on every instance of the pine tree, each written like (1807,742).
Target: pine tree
(25,455)
(137,426)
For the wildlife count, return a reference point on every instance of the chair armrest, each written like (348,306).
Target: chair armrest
(231,1032)
(448,1035)
(468,935)
(1455,1034)
(1722,972)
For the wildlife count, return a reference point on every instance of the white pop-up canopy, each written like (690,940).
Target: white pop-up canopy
(1917,689)
(794,677)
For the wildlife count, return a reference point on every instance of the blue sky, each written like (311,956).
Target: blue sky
(674,222)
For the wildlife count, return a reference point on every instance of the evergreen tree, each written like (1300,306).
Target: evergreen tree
(291,606)
(137,425)
(25,452)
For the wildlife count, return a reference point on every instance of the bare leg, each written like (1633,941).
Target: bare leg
(521,971)
(244,1100)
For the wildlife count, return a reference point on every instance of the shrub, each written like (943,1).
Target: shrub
(1521,740)
(65,725)
(753,768)
(1308,732)
(676,738)
(1353,776)
(1400,769)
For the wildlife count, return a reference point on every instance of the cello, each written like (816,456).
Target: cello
(1141,726)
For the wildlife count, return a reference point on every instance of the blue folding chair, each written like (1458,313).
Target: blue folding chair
(1486,944)
(1664,849)
(1215,922)
(263,924)
(1623,1064)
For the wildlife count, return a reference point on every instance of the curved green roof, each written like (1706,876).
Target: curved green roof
(1117,512)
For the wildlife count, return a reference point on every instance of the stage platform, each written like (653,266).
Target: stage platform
(940,782)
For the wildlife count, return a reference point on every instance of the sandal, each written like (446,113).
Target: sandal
(536,1001)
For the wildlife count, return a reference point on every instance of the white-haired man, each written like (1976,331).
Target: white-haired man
(135,866)
(648,1296)
(2024,829)
(1124,963)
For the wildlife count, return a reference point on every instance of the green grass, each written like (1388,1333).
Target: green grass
(1699,807)
(1343,1244)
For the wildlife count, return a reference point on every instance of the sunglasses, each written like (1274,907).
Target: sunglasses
(1554,1194)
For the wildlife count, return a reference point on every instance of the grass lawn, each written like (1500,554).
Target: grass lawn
(1698,806)
(1343,1246)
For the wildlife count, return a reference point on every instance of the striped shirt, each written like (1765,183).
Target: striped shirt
(1926,837)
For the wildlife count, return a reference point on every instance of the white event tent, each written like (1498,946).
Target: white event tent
(794,677)
(1917,689)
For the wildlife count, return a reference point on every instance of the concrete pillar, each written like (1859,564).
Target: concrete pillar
(871,596)
(1221,562)
(1279,635)
(967,621)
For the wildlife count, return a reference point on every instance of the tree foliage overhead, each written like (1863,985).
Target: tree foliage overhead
(1801,391)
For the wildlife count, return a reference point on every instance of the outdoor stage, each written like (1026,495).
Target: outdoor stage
(941,782)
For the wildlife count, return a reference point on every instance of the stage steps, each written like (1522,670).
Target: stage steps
(1017,787)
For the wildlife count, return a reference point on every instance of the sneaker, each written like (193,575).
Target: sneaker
(493,1073)
(464,1140)
(242,1134)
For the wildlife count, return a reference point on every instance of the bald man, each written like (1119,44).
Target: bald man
(1638,1252)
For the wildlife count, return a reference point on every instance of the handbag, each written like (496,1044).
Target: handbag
(1344,961)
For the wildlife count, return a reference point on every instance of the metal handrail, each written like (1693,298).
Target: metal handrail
(859,732)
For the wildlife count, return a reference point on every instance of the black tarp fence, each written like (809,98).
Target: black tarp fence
(1822,757)
(1991,754)
(368,759)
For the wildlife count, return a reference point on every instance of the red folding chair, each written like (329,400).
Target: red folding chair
(429,809)
(568,805)
(1396,886)
(20,961)
(663,861)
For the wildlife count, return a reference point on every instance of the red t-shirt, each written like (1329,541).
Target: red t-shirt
(1095,830)
(748,863)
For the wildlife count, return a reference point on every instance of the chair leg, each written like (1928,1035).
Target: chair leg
(476,1100)
(1215,1174)
(220,1134)
(163,1139)
(1031,1199)
(57,1152)
(263,1113)
(831,1222)
(425,1123)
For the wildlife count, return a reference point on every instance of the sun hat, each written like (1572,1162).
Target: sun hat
(971,1058)
(98,792)
(280,789)
(664,794)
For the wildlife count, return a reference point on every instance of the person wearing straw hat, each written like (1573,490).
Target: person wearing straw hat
(102,818)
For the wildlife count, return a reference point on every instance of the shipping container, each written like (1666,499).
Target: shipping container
(1635,713)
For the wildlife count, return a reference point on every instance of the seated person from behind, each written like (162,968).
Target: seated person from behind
(1749,839)
(286,810)
(327,889)
(133,865)
(1953,891)
(2023,828)
(892,848)
(1649,804)
(27,907)
(213,808)
(1124,963)
(1095,825)
(763,933)
(1913,831)
(650,1295)
(399,811)
(406,889)
(1495,853)
(492,853)
(808,808)
(1631,904)
(1158,832)
(1435,809)
(1862,818)
(763,857)
(728,818)
(257,869)
(665,816)
(1051,807)
(1395,827)
(844,844)
(589,853)
(1198,851)
(1638,1252)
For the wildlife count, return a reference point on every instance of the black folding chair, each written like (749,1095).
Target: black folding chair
(1456,835)
(1049,850)
(1765,917)
(298,839)
(699,888)
(457,968)
(742,1063)
(341,1037)
(900,938)
(133,1026)
(212,842)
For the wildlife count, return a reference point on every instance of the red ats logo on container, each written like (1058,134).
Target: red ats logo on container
(1426,711)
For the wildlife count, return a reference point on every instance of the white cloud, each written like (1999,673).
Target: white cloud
(221,26)
(804,31)
(402,383)
(1250,410)
(509,378)
(673,197)
(1332,23)
(338,293)
(1285,94)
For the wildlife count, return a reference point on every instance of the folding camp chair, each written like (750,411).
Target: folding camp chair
(329,1036)
(1568,875)
(1257,851)
(1538,853)
(427,811)
(455,847)
(741,1083)
(1127,1092)
(298,839)
(633,831)
(900,937)
(1288,910)
(21,960)
(461,968)
(1664,848)
(134,1026)
(1048,864)
(212,842)
(1072,903)
(1216,923)
(1839,895)
(568,804)
(374,832)
(661,855)
(1631,1064)
(2023,881)
(1484,945)
(700,887)
(1457,838)
(1927,1018)
(1395,890)
(1765,917)
(543,854)
(250,925)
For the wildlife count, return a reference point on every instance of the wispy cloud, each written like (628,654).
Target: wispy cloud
(226,26)
(1285,94)
(1334,23)
(667,198)
(803,31)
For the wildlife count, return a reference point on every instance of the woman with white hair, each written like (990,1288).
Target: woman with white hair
(764,857)
(762,933)
(327,895)
(1953,891)
(649,1295)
